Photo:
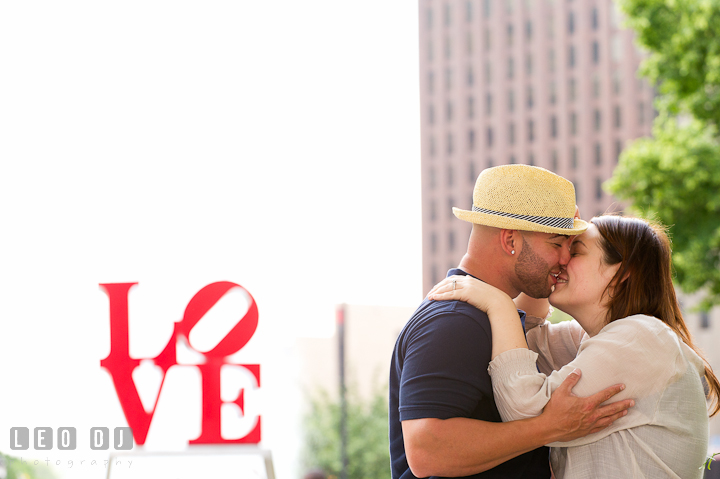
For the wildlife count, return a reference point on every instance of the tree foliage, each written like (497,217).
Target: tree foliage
(368,446)
(17,468)
(674,177)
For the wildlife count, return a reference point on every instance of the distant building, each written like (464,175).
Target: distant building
(705,330)
(370,335)
(550,83)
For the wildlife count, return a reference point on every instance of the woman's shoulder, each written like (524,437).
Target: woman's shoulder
(639,322)
(644,331)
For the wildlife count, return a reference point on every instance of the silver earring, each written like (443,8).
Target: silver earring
(512,252)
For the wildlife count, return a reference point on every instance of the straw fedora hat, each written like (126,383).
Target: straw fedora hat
(526,198)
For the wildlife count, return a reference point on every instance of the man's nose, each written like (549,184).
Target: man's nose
(565,254)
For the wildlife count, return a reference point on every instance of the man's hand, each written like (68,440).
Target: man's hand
(572,417)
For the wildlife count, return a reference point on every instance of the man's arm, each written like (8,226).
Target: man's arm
(463,446)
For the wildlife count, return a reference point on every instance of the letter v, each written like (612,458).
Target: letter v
(121,366)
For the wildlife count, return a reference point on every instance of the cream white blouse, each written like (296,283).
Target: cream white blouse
(665,435)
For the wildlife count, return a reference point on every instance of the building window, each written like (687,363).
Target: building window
(511,100)
(528,64)
(511,68)
(597,120)
(448,111)
(553,126)
(512,159)
(554,160)
(433,210)
(617,82)
(432,146)
(531,131)
(431,82)
(433,242)
(641,113)
(571,23)
(449,175)
(598,154)
(488,40)
(431,114)
(573,157)
(530,99)
(488,73)
(511,134)
(594,18)
(510,35)
(468,11)
(704,320)
(616,45)
(571,56)
(572,90)
(431,178)
(596,52)
(528,30)
(573,123)
(488,104)
(471,140)
(471,107)
(531,160)
(451,240)
(486,8)
(448,48)
(470,76)
(618,116)
(489,137)
(448,78)
(430,50)
(469,44)
(429,18)
(598,189)
(473,173)
(553,93)
(596,85)
(451,203)
(618,150)
(447,14)
(551,61)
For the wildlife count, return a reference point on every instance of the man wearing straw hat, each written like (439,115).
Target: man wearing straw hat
(443,419)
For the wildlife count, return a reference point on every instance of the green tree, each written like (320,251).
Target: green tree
(368,445)
(674,177)
(24,469)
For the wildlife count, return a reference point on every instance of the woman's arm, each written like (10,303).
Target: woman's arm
(507,331)
(533,306)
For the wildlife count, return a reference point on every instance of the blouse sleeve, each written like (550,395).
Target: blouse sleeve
(556,344)
(632,351)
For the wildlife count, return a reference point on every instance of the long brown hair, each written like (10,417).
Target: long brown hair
(643,282)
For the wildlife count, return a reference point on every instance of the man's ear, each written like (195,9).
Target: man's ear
(510,241)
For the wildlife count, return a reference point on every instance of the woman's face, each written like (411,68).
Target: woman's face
(580,287)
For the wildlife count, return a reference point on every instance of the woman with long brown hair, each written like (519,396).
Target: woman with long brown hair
(628,329)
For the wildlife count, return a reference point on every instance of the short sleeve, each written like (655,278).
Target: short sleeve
(444,372)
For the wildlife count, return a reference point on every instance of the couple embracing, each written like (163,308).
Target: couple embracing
(481,383)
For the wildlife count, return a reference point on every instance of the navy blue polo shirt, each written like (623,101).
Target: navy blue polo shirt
(439,370)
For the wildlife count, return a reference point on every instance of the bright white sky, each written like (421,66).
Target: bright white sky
(179,143)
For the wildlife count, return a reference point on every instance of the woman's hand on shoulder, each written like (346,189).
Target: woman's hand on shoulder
(470,290)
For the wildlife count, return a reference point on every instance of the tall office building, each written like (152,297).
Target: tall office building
(550,83)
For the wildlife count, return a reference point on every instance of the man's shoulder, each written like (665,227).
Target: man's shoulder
(447,316)
(433,310)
